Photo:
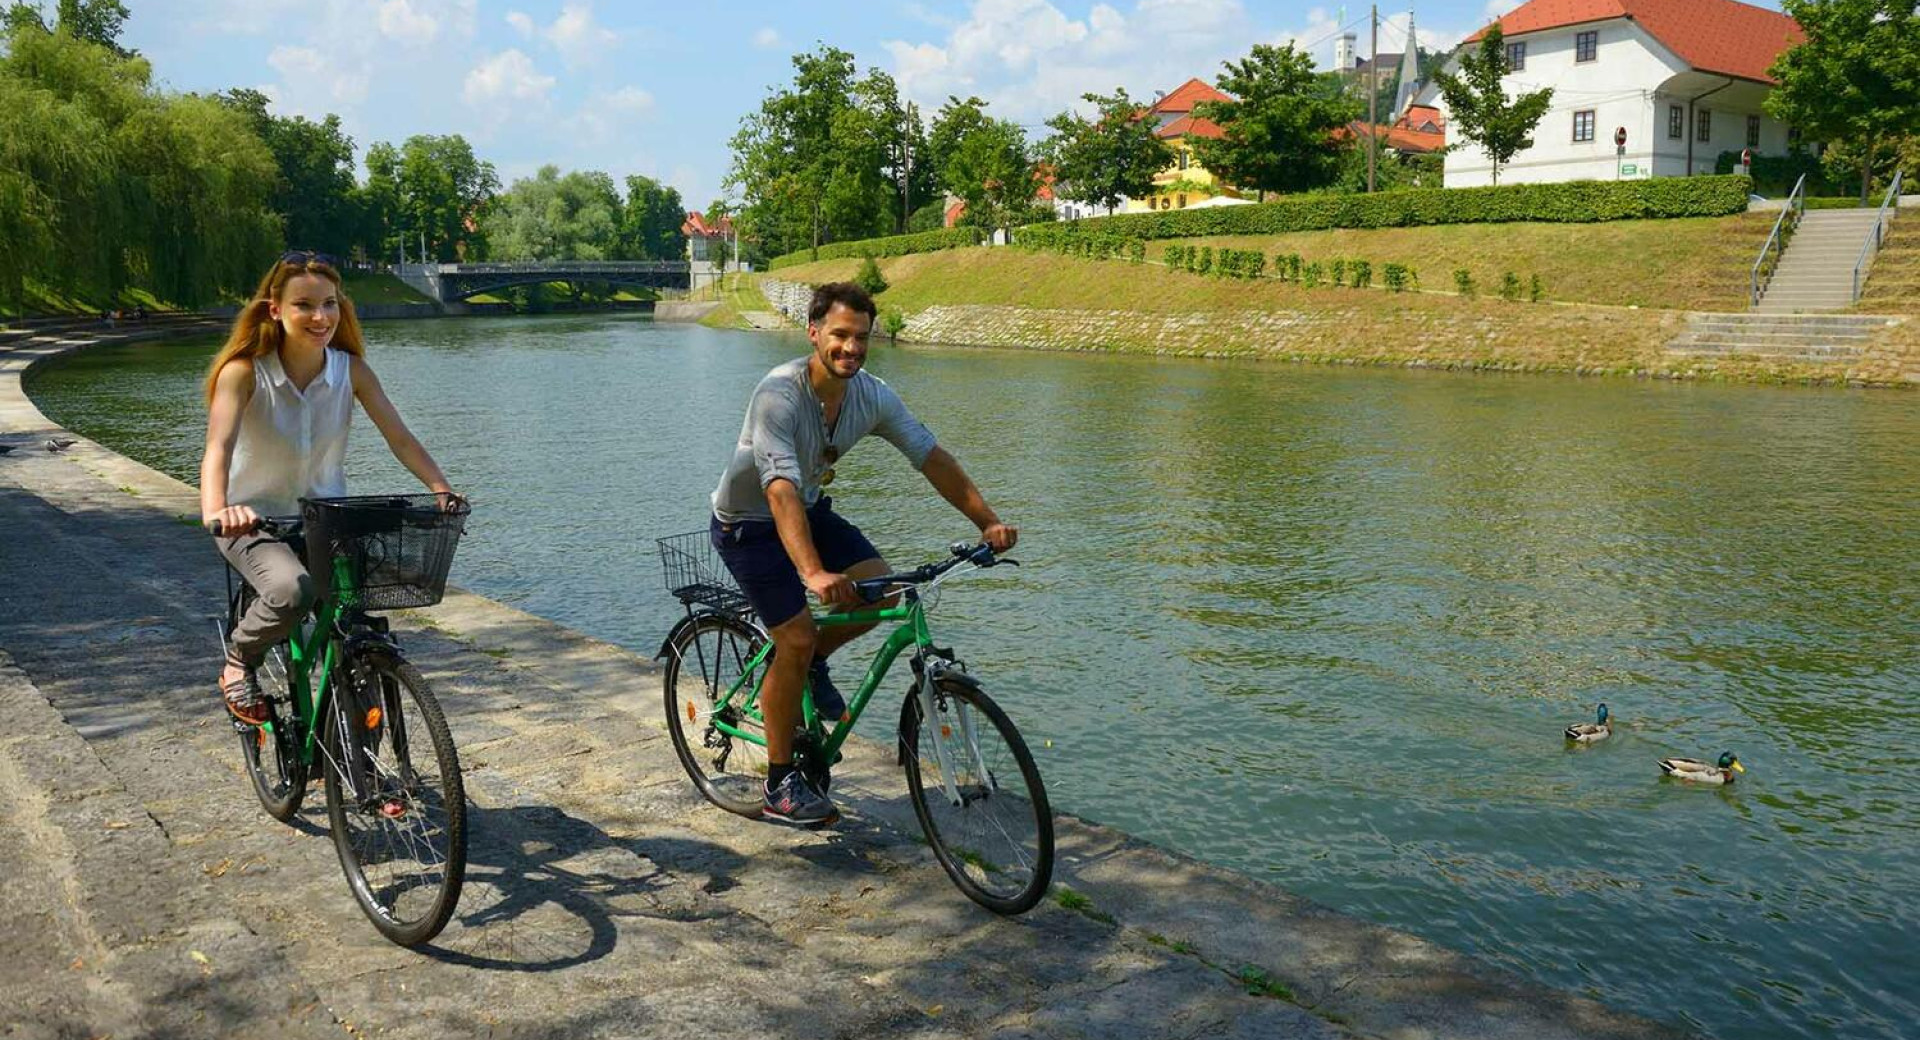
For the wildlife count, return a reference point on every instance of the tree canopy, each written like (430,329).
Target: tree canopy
(1103,160)
(1478,106)
(1279,131)
(1855,81)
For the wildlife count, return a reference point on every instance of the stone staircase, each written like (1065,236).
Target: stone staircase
(1780,337)
(1816,269)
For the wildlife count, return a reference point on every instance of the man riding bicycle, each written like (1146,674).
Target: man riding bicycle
(780,537)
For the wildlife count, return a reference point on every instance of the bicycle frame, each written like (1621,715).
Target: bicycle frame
(911,631)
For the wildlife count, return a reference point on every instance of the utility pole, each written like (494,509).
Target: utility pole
(1373,93)
(906,170)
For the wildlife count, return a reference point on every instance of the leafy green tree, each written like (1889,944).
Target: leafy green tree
(870,278)
(377,203)
(551,216)
(1478,106)
(650,222)
(991,170)
(1103,160)
(1278,133)
(444,191)
(95,21)
(1855,80)
(315,194)
(955,120)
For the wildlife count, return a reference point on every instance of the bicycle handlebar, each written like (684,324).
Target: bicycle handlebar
(872,590)
(281,527)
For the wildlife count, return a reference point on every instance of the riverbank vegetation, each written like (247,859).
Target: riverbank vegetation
(1893,287)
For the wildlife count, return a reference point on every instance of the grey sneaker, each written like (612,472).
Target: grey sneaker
(795,801)
(827,701)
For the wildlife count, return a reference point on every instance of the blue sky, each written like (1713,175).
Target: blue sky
(658,88)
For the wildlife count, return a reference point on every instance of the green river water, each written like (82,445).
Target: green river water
(1321,626)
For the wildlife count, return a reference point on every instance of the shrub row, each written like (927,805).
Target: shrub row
(1574,202)
(1095,246)
(1287,267)
(892,245)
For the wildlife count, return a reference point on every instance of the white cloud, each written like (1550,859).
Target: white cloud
(315,83)
(577,37)
(767,38)
(400,21)
(507,76)
(521,23)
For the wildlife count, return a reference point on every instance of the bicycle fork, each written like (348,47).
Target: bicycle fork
(933,667)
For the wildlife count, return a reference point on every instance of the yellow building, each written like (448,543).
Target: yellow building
(1186,182)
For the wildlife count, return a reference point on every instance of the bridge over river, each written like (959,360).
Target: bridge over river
(452,283)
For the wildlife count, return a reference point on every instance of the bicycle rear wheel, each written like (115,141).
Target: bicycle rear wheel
(272,752)
(993,833)
(403,841)
(705,658)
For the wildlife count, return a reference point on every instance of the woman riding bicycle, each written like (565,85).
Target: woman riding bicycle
(280,399)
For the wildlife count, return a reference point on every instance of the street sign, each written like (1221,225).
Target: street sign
(1629,170)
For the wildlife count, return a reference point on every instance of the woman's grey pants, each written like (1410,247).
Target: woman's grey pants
(286,593)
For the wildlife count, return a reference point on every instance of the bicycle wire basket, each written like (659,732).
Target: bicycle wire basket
(695,573)
(383,552)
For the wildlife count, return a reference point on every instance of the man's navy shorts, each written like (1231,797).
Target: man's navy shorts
(758,559)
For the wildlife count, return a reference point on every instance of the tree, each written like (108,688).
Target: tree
(1103,160)
(443,193)
(315,192)
(650,222)
(551,216)
(1478,106)
(1855,80)
(992,172)
(1278,132)
(95,21)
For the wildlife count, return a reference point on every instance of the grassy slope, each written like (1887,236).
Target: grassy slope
(1893,287)
(743,294)
(1695,263)
(370,287)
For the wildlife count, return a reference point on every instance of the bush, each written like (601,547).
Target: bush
(1398,277)
(891,322)
(1535,291)
(1362,274)
(1310,275)
(1463,281)
(894,245)
(1175,257)
(1510,286)
(1137,250)
(1286,266)
(1574,202)
(1338,270)
(870,277)
(1205,266)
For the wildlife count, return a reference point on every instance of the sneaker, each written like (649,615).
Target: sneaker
(794,801)
(827,702)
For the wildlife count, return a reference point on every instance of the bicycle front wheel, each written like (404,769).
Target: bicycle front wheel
(708,657)
(978,796)
(403,839)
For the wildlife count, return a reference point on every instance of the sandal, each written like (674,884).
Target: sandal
(244,698)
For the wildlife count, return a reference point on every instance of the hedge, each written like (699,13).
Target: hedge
(1573,202)
(892,245)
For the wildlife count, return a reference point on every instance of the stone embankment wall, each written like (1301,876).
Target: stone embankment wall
(789,298)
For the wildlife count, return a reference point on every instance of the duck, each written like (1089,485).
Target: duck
(1588,732)
(1704,772)
(57,444)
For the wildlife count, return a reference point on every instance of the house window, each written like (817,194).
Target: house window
(1516,56)
(1676,122)
(1753,131)
(1583,125)
(1586,46)
(1703,125)
(1183,158)
(1183,202)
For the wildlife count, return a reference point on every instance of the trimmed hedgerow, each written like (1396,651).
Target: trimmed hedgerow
(1573,202)
(892,245)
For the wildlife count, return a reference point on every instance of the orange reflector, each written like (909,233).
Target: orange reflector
(373,718)
(690,711)
(946,731)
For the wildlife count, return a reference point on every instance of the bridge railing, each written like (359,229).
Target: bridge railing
(583,266)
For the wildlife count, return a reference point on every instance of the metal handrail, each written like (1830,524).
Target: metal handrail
(538,266)
(1871,247)
(1777,243)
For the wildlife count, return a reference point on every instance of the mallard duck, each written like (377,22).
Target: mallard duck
(1703,772)
(1588,732)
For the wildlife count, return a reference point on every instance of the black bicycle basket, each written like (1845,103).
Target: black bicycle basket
(383,552)
(696,574)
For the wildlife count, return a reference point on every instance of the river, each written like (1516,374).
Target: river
(1320,625)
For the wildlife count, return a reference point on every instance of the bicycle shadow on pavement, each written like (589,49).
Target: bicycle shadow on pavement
(546,891)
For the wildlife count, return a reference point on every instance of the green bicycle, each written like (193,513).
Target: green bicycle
(343,703)
(972,781)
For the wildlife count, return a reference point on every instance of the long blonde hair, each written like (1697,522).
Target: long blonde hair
(255,334)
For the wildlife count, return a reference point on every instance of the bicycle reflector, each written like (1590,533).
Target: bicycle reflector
(373,718)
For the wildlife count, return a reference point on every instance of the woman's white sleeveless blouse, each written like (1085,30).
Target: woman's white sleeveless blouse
(292,444)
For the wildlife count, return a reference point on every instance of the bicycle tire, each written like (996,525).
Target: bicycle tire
(406,818)
(704,657)
(272,752)
(997,846)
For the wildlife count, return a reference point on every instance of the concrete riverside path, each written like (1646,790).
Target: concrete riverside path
(143,893)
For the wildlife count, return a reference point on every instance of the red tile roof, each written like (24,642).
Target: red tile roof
(1185,96)
(1189,125)
(1421,114)
(1718,36)
(697,225)
(1399,137)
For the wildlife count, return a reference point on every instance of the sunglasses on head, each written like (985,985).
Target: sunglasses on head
(300,256)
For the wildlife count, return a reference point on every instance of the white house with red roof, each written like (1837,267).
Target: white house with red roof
(1684,78)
